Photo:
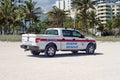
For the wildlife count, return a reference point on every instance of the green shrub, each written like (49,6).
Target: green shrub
(12,38)
(108,38)
(17,38)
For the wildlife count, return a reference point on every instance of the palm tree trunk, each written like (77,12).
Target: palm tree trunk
(6,26)
(85,21)
(1,30)
(13,28)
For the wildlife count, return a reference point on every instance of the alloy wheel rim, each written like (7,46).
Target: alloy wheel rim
(51,51)
(91,49)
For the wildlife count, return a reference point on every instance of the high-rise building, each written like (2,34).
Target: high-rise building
(63,4)
(17,2)
(108,1)
(107,11)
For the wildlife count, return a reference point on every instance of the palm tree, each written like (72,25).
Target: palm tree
(116,22)
(83,6)
(32,12)
(17,18)
(1,26)
(57,16)
(6,11)
(107,29)
(80,22)
(68,23)
(93,21)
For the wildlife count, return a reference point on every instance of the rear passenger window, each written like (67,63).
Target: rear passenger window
(67,33)
(52,32)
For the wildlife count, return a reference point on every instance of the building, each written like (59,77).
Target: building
(107,11)
(66,5)
(63,4)
(17,2)
(108,1)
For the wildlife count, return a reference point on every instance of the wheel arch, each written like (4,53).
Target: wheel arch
(51,44)
(91,43)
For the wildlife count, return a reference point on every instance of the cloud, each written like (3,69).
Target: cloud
(45,4)
(43,1)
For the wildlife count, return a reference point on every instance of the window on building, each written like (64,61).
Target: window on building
(113,9)
(108,17)
(118,12)
(113,6)
(107,6)
(118,9)
(107,13)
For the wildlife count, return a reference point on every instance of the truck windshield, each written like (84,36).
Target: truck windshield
(52,32)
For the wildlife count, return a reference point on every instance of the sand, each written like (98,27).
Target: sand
(15,64)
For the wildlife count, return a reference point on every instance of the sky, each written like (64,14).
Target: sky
(46,5)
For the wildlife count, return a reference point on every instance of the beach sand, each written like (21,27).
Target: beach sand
(15,64)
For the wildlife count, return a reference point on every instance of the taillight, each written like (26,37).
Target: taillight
(37,40)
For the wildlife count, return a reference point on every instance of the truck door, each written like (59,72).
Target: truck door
(69,40)
(79,39)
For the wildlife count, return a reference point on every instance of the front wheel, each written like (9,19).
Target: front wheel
(50,51)
(35,52)
(90,49)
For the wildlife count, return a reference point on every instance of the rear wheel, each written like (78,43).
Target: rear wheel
(35,52)
(90,49)
(50,51)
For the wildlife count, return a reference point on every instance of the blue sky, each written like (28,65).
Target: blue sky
(45,4)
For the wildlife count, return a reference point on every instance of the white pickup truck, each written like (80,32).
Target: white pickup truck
(56,39)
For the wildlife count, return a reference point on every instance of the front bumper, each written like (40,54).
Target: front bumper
(28,47)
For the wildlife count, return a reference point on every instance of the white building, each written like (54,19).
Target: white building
(108,1)
(17,2)
(63,4)
(107,11)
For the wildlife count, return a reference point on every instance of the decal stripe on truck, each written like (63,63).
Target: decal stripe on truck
(67,40)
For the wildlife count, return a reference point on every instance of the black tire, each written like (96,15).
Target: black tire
(35,52)
(90,49)
(50,51)
(74,52)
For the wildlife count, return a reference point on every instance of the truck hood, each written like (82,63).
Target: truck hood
(89,38)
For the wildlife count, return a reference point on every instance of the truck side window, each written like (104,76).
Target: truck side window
(67,33)
(52,32)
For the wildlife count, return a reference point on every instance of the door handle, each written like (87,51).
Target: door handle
(73,39)
(63,39)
